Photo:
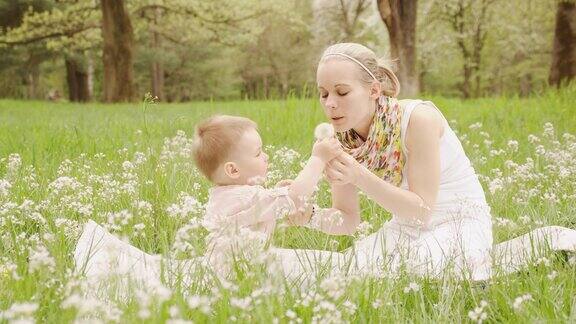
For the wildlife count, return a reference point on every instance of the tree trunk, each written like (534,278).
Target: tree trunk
(266,85)
(158,80)
(157,68)
(400,19)
(77,79)
(33,81)
(31,77)
(421,77)
(90,72)
(563,67)
(525,85)
(465,86)
(118,39)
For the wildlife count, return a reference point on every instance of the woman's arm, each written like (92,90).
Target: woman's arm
(341,219)
(423,142)
(344,216)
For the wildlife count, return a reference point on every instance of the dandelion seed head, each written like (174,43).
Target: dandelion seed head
(323,130)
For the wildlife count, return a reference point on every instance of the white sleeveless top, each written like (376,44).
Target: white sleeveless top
(460,194)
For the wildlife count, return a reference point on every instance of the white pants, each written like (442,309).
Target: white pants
(465,247)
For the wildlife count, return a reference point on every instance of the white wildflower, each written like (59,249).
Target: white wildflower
(13,166)
(411,287)
(4,187)
(548,130)
(139,158)
(543,261)
(118,220)
(241,303)
(40,259)
(20,313)
(202,303)
(495,185)
(518,301)
(513,145)
(285,156)
(525,219)
(349,307)
(187,207)
(185,238)
(174,311)
(8,267)
(325,216)
(533,139)
(143,207)
(475,126)
(144,313)
(377,303)
(363,229)
(291,314)
(334,286)
(479,315)
(504,222)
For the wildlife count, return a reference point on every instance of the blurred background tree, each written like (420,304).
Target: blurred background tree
(180,50)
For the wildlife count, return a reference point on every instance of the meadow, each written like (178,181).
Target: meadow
(128,166)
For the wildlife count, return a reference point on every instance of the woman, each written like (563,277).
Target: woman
(405,157)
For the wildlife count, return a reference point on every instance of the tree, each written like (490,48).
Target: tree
(117,51)
(74,20)
(563,68)
(183,28)
(342,21)
(400,19)
(22,64)
(77,80)
(267,68)
(73,26)
(156,64)
(470,22)
(64,29)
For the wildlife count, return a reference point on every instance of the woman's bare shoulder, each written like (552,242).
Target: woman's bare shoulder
(424,121)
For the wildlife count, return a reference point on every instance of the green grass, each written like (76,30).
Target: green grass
(46,134)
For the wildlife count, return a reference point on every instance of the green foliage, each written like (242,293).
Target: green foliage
(268,49)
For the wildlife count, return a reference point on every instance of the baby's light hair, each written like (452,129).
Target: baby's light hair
(214,139)
(369,65)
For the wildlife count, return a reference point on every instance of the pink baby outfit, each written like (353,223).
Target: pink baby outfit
(253,206)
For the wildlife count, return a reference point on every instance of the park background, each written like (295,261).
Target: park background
(184,50)
(80,139)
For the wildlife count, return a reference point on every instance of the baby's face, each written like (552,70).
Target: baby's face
(251,161)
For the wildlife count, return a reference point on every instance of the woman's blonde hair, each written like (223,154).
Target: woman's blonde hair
(362,55)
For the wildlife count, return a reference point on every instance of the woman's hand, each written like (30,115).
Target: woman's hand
(343,169)
(326,149)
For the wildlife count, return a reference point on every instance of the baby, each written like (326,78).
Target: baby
(228,151)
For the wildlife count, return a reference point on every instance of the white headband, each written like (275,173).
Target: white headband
(355,60)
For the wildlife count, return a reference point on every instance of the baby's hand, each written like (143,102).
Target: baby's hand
(326,149)
(284,183)
(302,217)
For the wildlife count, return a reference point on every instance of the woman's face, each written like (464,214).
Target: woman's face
(348,103)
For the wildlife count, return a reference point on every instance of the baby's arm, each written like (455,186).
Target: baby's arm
(304,211)
(305,183)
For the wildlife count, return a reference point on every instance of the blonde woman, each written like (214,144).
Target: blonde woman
(405,157)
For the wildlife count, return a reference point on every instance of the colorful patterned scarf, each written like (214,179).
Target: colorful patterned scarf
(381,153)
